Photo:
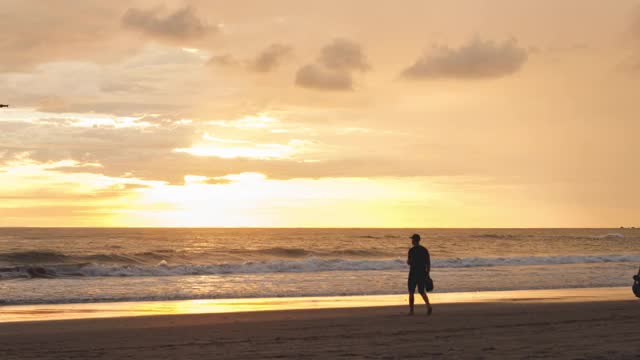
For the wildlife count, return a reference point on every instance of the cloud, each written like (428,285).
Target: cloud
(315,76)
(334,67)
(60,191)
(148,153)
(343,54)
(635,23)
(158,79)
(180,25)
(124,108)
(86,30)
(475,60)
(125,86)
(217,181)
(267,60)
(223,60)
(632,63)
(99,33)
(50,210)
(271,57)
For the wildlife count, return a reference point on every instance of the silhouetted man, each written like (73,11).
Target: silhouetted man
(420,266)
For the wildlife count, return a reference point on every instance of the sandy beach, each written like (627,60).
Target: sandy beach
(565,324)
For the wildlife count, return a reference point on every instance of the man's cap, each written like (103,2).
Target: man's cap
(415,237)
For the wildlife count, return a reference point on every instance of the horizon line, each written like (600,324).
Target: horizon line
(312,227)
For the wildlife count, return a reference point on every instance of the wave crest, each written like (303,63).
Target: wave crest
(292,266)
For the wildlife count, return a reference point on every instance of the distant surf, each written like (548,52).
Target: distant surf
(310,264)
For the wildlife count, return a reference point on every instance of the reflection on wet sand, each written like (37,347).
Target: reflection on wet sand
(123,309)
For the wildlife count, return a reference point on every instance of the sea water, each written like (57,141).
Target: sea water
(69,265)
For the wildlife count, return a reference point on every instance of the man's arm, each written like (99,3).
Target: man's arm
(409,258)
(428,263)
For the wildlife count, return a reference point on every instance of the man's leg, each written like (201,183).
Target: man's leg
(412,288)
(421,289)
(411,301)
(426,301)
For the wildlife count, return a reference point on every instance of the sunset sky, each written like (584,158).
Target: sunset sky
(289,113)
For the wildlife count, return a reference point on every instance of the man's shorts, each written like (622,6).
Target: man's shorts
(418,280)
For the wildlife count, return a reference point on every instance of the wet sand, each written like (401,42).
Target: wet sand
(558,324)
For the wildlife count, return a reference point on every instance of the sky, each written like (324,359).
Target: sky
(288,113)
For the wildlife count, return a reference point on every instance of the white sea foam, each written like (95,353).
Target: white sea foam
(302,266)
(609,236)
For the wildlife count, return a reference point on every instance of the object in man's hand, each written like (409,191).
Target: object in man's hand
(428,285)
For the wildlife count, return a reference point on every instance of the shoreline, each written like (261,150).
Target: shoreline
(73,311)
(558,324)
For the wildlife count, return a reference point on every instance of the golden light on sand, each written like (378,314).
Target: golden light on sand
(182,307)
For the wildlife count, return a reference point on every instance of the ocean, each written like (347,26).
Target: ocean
(72,265)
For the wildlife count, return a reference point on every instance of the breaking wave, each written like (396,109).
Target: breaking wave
(49,257)
(312,264)
(153,257)
(609,236)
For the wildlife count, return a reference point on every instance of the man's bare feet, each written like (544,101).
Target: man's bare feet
(429,310)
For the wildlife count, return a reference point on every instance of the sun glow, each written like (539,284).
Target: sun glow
(260,151)
(81,199)
(232,148)
(252,199)
(32,115)
(260,121)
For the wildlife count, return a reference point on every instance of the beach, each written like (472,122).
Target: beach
(559,324)
(95,293)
